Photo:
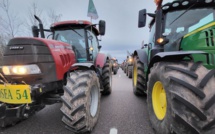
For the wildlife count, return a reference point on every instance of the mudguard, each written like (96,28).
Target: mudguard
(82,66)
(168,56)
(101,59)
(142,56)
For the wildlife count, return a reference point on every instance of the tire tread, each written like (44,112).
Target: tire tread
(189,105)
(187,72)
(195,90)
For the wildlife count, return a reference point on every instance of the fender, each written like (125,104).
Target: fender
(141,53)
(168,56)
(80,66)
(101,59)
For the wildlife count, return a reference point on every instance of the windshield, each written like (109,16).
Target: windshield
(177,25)
(74,37)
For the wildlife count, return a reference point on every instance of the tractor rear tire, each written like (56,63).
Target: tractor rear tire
(181,98)
(114,72)
(81,101)
(130,74)
(137,78)
(125,69)
(107,79)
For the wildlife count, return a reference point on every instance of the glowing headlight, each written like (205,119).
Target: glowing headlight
(21,70)
(130,59)
(91,48)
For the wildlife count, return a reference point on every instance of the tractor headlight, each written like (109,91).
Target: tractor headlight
(91,48)
(21,70)
(162,41)
(130,59)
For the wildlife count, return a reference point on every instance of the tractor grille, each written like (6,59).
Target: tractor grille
(210,33)
(29,52)
(25,51)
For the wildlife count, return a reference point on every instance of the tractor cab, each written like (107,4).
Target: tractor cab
(81,35)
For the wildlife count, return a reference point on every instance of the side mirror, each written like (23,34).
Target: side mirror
(99,47)
(142,18)
(102,27)
(35,31)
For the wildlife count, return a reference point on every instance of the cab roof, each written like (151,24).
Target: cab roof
(74,23)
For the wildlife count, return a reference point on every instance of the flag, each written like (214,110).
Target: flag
(92,10)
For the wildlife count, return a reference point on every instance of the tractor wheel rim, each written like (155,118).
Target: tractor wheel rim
(94,100)
(135,74)
(159,101)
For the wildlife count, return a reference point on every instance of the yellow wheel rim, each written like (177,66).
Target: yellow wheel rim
(135,74)
(159,100)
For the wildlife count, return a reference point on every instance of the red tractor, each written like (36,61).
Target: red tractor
(67,68)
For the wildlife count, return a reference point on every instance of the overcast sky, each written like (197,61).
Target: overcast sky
(121,18)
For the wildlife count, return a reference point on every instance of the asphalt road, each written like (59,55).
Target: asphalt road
(121,113)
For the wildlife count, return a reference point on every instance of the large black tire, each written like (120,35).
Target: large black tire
(107,79)
(127,71)
(114,72)
(181,98)
(130,73)
(81,101)
(138,80)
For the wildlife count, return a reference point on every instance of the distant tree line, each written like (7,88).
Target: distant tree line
(11,25)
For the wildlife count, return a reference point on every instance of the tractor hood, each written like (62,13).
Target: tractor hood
(53,58)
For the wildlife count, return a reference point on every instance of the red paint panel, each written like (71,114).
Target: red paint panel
(59,51)
(100,60)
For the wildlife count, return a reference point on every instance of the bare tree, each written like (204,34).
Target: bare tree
(10,23)
(33,10)
(47,20)
(53,17)
(3,42)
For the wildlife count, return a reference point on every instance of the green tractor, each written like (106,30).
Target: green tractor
(128,65)
(176,69)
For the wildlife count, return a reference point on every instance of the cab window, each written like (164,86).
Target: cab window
(93,45)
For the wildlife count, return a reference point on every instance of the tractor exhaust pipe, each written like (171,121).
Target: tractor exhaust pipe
(40,26)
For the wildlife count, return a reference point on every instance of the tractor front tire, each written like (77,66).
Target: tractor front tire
(81,101)
(181,98)
(137,78)
(107,79)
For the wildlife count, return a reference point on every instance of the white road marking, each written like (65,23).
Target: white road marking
(113,131)
(119,75)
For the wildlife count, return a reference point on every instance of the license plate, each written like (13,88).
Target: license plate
(15,94)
